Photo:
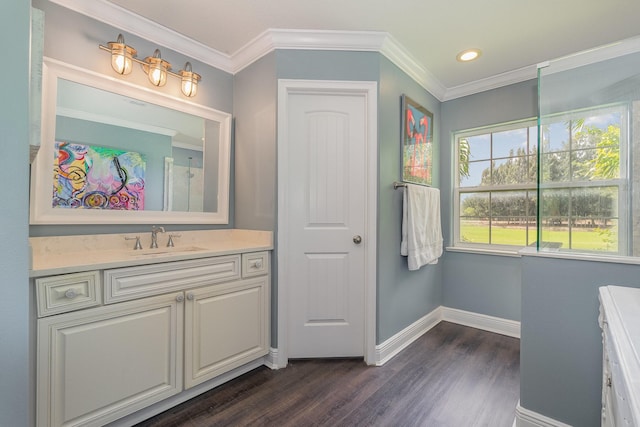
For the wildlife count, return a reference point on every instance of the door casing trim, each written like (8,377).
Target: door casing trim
(368,90)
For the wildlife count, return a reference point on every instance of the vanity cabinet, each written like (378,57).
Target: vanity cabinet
(161,329)
(95,365)
(224,328)
(620,323)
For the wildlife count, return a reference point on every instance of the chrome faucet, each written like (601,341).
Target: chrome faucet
(154,236)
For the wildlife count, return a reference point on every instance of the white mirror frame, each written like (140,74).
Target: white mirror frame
(41,210)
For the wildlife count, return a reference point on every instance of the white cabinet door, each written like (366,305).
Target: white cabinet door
(226,326)
(97,365)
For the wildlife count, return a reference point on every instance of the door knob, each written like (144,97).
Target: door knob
(357,240)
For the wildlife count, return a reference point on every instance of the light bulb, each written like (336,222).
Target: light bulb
(157,69)
(121,56)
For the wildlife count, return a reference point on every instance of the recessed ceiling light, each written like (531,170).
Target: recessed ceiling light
(468,55)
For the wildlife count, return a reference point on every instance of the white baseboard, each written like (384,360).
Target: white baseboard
(395,344)
(271,359)
(498,325)
(527,418)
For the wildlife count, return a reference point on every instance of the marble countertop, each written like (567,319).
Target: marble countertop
(71,254)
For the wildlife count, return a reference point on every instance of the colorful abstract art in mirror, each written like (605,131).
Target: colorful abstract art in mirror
(90,177)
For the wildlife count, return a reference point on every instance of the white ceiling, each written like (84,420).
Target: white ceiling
(512,34)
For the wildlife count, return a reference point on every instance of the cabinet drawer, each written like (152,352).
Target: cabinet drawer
(122,284)
(255,264)
(68,292)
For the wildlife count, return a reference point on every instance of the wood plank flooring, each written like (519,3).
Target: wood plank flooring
(453,376)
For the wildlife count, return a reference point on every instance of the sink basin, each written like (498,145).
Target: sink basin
(166,251)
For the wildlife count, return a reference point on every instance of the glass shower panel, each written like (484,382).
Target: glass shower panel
(589,153)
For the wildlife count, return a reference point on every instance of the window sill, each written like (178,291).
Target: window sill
(529,251)
(580,257)
(485,251)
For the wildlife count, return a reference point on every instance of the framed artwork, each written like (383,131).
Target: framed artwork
(417,143)
(90,177)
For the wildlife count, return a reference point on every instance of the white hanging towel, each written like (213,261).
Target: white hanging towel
(421,228)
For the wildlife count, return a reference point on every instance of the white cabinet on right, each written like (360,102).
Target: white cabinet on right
(226,326)
(620,323)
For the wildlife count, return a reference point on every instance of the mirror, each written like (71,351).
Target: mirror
(113,152)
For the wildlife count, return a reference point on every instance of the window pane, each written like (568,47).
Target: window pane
(509,204)
(474,217)
(554,220)
(556,137)
(582,164)
(533,140)
(532,231)
(474,205)
(601,238)
(555,167)
(510,171)
(533,168)
(555,207)
(474,230)
(479,147)
(590,205)
(555,237)
(510,143)
(479,174)
(508,218)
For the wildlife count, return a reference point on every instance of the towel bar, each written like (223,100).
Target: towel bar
(398,184)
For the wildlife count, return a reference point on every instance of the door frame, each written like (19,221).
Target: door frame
(369,91)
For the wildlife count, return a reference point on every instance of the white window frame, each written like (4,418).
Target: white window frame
(621,183)
(531,186)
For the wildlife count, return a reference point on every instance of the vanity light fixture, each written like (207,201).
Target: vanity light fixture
(468,55)
(156,68)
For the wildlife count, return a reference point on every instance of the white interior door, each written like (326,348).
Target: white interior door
(326,209)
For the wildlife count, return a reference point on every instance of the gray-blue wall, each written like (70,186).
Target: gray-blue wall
(16,402)
(254,111)
(561,342)
(485,284)
(403,296)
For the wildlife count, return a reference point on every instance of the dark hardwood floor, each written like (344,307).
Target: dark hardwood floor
(453,376)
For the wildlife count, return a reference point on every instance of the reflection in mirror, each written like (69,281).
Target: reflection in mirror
(113,152)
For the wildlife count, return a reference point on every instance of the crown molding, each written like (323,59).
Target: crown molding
(493,82)
(591,56)
(125,20)
(362,41)
(274,39)
(397,54)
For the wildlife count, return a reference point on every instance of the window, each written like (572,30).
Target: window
(580,188)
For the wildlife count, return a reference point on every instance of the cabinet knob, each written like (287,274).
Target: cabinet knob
(180,298)
(257,263)
(190,296)
(71,293)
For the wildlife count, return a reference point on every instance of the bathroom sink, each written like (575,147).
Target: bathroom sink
(167,251)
